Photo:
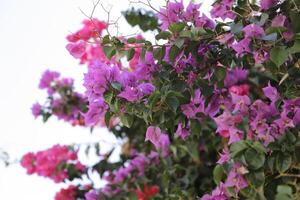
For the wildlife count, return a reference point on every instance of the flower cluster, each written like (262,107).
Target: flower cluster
(57,163)
(62,101)
(212,104)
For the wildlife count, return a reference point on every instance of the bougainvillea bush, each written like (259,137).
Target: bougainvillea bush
(208,109)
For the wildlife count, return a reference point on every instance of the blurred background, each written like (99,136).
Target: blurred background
(32,40)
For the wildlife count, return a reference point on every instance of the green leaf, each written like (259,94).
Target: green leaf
(163,35)
(174,52)
(284,192)
(218,174)
(256,179)
(237,148)
(179,42)
(132,196)
(130,53)
(284,189)
(186,34)
(109,51)
(127,120)
(283,162)
(176,27)
(278,55)
(254,159)
(236,28)
(295,48)
(116,85)
(172,102)
(159,53)
(107,118)
(295,16)
(131,40)
(105,40)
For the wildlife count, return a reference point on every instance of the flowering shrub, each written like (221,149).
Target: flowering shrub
(211,110)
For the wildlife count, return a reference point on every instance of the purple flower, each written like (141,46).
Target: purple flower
(47,79)
(173,14)
(279,21)
(271,93)
(284,122)
(192,12)
(91,195)
(160,140)
(204,22)
(36,110)
(96,112)
(234,76)
(219,193)
(253,30)
(296,118)
(241,103)
(266,4)
(146,88)
(223,9)
(131,94)
(260,56)
(235,178)
(242,46)
(182,132)
(224,157)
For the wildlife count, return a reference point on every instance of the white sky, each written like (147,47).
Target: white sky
(32,39)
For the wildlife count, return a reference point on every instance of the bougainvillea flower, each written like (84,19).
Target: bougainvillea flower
(267,4)
(271,93)
(182,132)
(253,30)
(148,192)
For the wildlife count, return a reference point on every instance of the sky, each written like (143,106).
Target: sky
(32,39)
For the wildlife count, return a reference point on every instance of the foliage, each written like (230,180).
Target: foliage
(212,105)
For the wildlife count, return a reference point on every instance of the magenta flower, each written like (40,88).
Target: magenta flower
(36,110)
(260,56)
(77,50)
(160,140)
(192,12)
(223,9)
(242,46)
(234,76)
(96,112)
(182,132)
(131,94)
(91,195)
(279,21)
(219,193)
(224,157)
(235,178)
(267,4)
(271,93)
(47,80)
(172,15)
(146,88)
(253,31)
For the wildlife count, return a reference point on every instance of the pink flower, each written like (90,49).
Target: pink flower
(266,4)
(235,178)
(69,193)
(279,21)
(242,46)
(36,110)
(182,132)
(224,157)
(77,50)
(253,30)
(271,93)
(160,140)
